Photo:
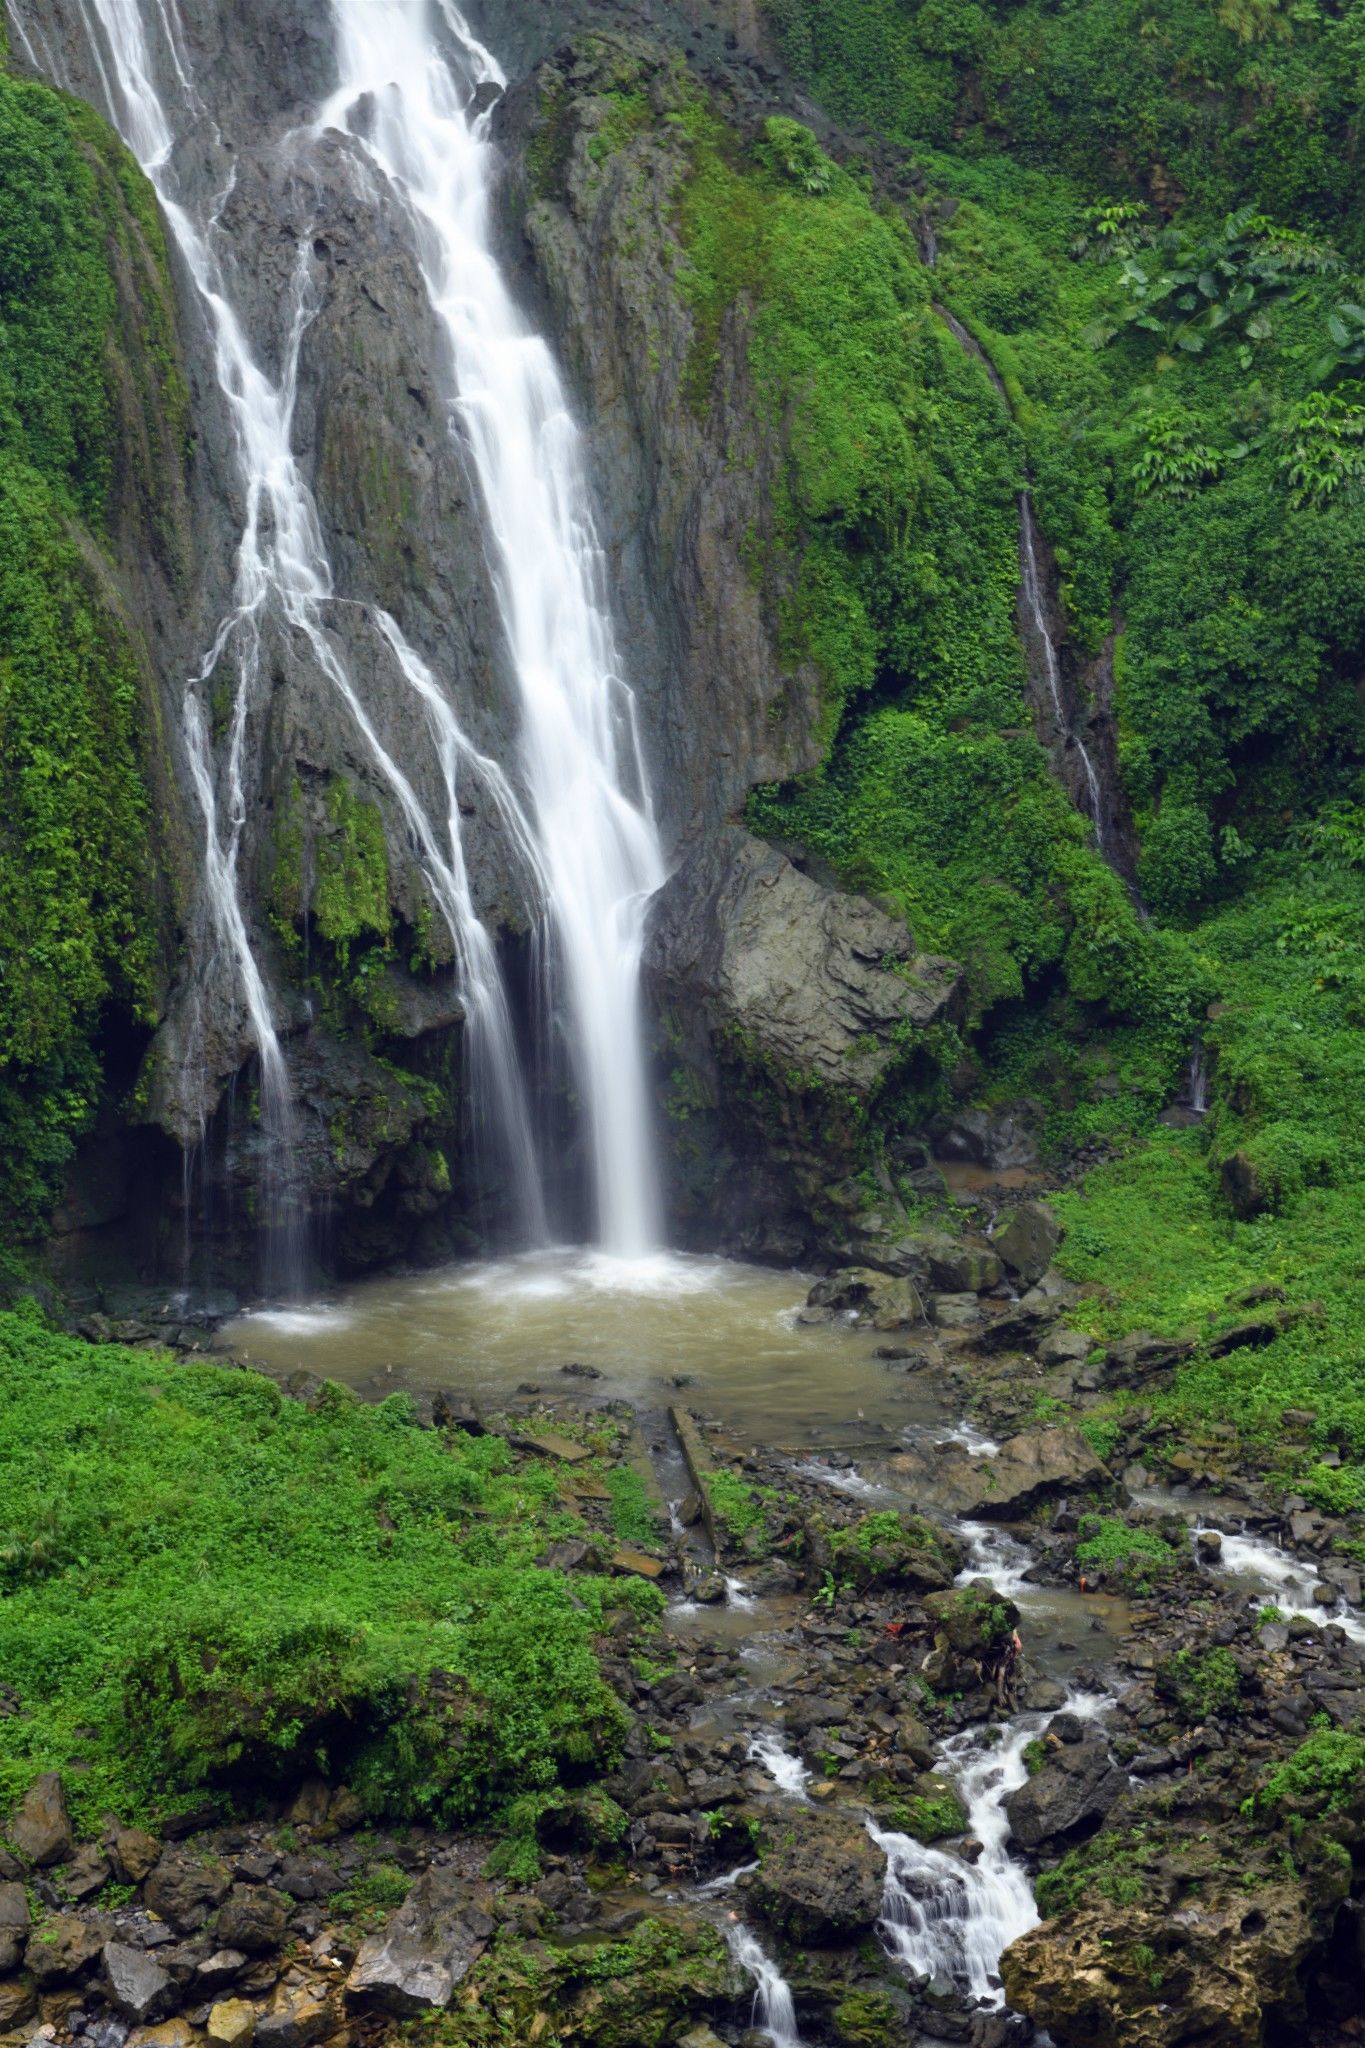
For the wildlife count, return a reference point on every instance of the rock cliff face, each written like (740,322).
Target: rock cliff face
(797,1002)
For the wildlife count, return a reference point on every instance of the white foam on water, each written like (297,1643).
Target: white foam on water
(787,1772)
(1281,1580)
(943,1914)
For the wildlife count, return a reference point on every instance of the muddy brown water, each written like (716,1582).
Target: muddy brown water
(712,1333)
(717,1334)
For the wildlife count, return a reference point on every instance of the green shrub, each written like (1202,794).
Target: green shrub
(1200,1684)
(279,1591)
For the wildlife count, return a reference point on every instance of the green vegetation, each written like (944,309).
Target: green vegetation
(78,850)
(931,1816)
(1165,260)
(1325,1775)
(1138,1558)
(209,1586)
(744,1511)
(1201,1683)
(886,1546)
(1111,1866)
(632,1517)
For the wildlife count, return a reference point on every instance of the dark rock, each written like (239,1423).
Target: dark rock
(41,1827)
(18,2002)
(184,1888)
(1065,1347)
(1139,1355)
(62,1947)
(308,1877)
(87,1872)
(137,1987)
(1067,1799)
(252,1918)
(14,1925)
(823,1881)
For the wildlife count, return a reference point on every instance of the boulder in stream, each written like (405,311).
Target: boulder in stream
(1067,1799)
(821,1880)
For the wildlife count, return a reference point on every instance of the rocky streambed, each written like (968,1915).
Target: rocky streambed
(940,1735)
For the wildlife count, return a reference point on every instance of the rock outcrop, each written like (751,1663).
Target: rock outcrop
(790,1006)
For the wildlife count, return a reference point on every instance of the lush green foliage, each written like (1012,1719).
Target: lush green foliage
(1325,1774)
(78,895)
(1154,1227)
(1200,1683)
(207,1584)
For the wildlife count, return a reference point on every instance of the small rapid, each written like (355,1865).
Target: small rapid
(1280,1579)
(774,2012)
(943,1915)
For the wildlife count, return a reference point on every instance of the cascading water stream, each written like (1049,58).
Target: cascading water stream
(589,849)
(1031,586)
(594,833)
(942,1914)
(774,2010)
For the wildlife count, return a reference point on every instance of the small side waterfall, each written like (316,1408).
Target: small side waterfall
(1040,631)
(1197,1081)
(774,2010)
(582,838)
(1032,597)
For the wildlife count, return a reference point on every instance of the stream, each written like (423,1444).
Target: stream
(728,1340)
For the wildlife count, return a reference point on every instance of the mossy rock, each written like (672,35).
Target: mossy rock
(891,1549)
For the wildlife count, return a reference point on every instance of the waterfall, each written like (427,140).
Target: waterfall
(774,2011)
(1198,1080)
(1031,586)
(585,844)
(589,807)
(940,1913)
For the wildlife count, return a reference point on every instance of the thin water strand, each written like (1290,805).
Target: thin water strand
(1032,587)
(594,830)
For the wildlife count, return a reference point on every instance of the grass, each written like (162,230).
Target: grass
(208,1585)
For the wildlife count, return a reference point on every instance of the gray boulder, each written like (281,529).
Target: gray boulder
(137,1986)
(816,982)
(1065,1347)
(414,1965)
(1028,1239)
